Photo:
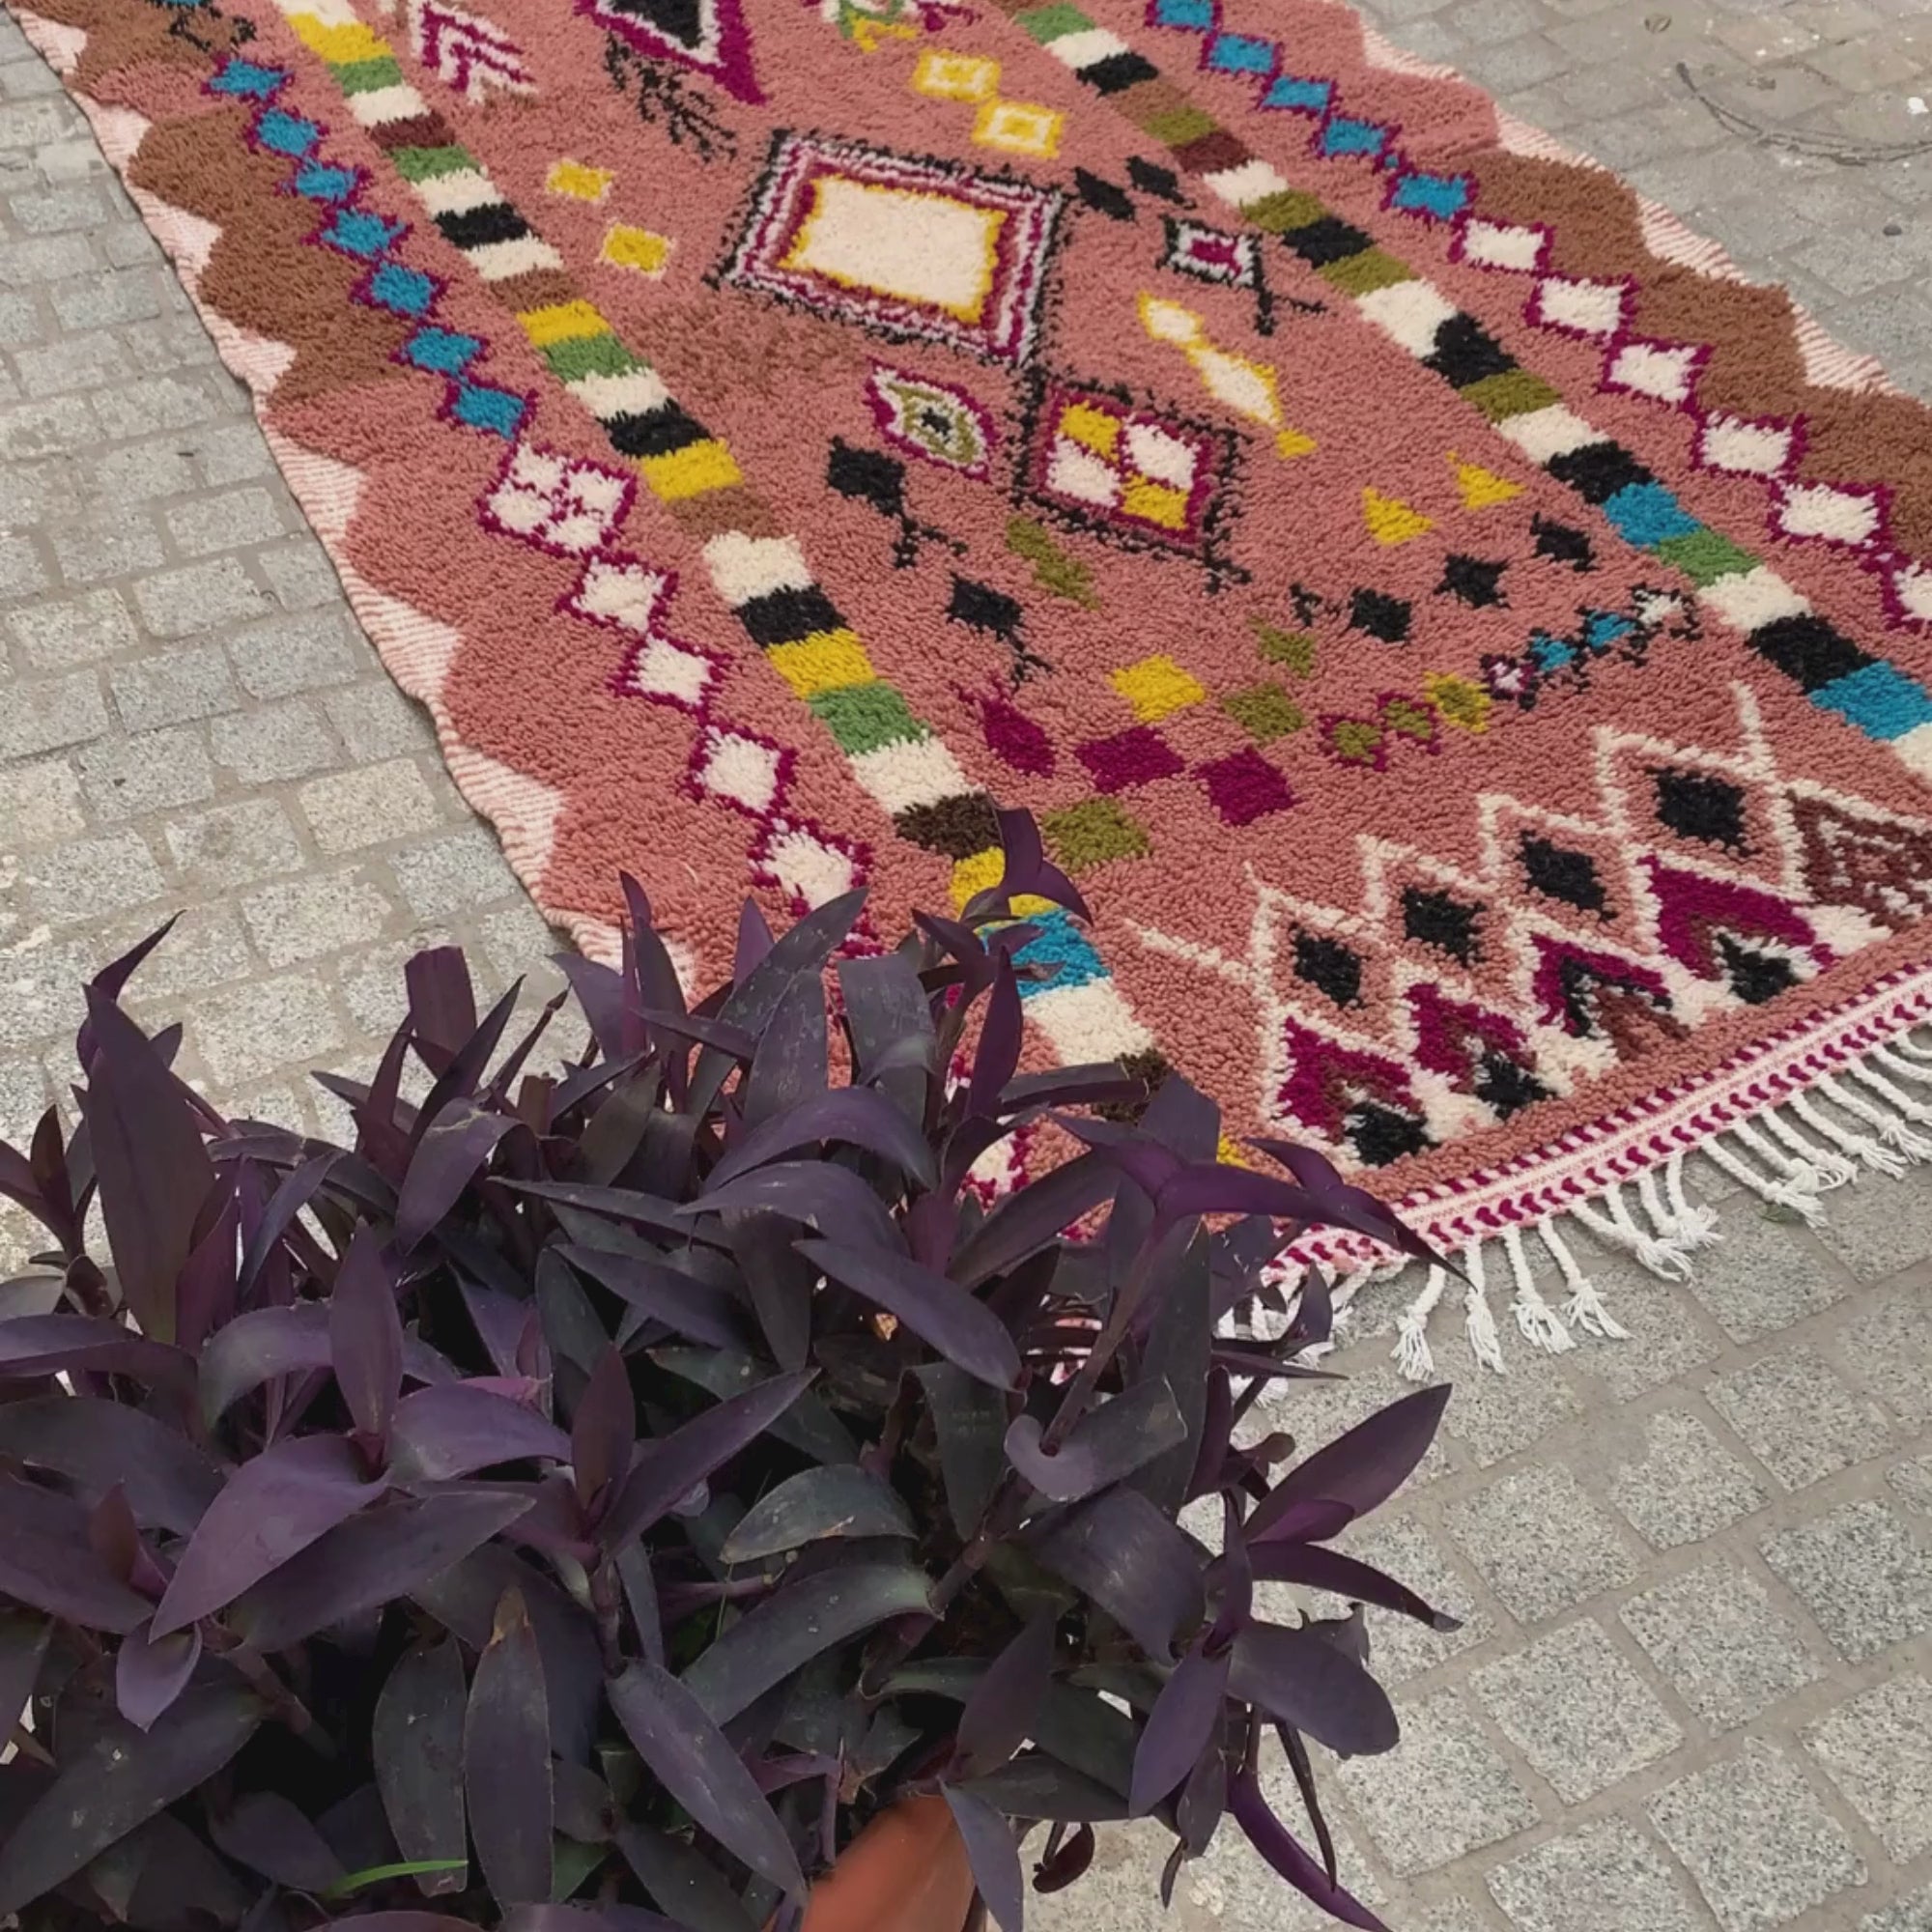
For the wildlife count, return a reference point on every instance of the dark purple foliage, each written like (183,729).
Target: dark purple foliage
(583,1502)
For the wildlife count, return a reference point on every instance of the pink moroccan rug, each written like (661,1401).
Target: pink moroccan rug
(1469,647)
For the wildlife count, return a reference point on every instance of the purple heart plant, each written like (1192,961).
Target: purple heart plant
(592,1496)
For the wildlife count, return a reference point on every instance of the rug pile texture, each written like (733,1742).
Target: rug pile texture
(1470,645)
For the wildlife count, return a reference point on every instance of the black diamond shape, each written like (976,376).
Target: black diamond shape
(1506,1086)
(1437,920)
(1561,544)
(1102,196)
(867,475)
(1701,807)
(1118,73)
(1328,966)
(1381,1135)
(1465,353)
(1598,470)
(1559,873)
(1381,616)
(1329,239)
(1755,976)
(983,608)
(1150,177)
(1808,650)
(1473,580)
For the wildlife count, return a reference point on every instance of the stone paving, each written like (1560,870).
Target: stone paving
(1693,1685)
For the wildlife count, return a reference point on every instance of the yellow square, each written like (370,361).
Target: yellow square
(1018,127)
(825,661)
(690,471)
(955,76)
(562,322)
(976,873)
(627,247)
(579,181)
(1157,686)
(1156,504)
(1091,428)
(341,43)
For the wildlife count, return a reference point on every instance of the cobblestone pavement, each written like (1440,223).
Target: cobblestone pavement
(1694,1688)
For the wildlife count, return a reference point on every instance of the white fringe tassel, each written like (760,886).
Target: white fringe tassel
(1787,1155)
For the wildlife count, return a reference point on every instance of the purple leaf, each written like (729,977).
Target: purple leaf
(152,1676)
(970,1421)
(268,1833)
(23,1649)
(401,1922)
(938,1310)
(269,1342)
(607,1916)
(790,1063)
(690,1756)
(95,1444)
(1107,1444)
(372,1558)
(1039,1786)
(110,980)
(442,1003)
(1093,1084)
(1180,1728)
(1343,1204)
(1322,1569)
(204,1293)
(462,1073)
(60,1344)
(456,1144)
(600,993)
(1217,1187)
(1032,1219)
(838,1500)
(506,1775)
(994,1854)
(797,1622)
(153,1171)
(1133,1561)
(665,1294)
(47,1562)
(118,1780)
(998,1054)
(1359,1470)
(813,1192)
(853,1116)
(1068,1865)
(754,941)
(365,1335)
(271,1509)
(604,1431)
(614,1203)
(1296,1676)
(1148,1164)
(1272,1839)
(780,1282)
(457,1429)
(673,1465)
(707,1029)
(415,1744)
(1001,1708)
(887,1015)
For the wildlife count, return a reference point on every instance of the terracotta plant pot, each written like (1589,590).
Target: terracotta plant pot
(906,1871)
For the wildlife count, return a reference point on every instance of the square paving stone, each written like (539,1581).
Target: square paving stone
(1877,1749)
(1539,1543)
(1906,1915)
(1760,1278)
(1576,1710)
(1668,1331)
(1863,1573)
(1913,1481)
(1881,1226)
(1887,1348)
(1493,1416)
(1727,1648)
(1442,1792)
(1756,1839)
(1606,1877)
(1400,1646)
(1798,1417)
(1686,1485)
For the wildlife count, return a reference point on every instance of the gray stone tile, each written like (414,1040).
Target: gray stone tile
(1686,1485)
(1444,1792)
(231,521)
(368,806)
(1865,1574)
(1886,1348)
(1492,1416)
(306,918)
(1608,1876)
(57,637)
(1881,1226)
(1576,1710)
(152,771)
(44,714)
(234,844)
(1799,1418)
(440,876)
(255,1029)
(204,948)
(172,687)
(291,654)
(1905,1915)
(274,742)
(90,878)
(1877,1749)
(1667,1334)
(40,802)
(42,978)
(1757,1280)
(1539,1543)
(1728,1652)
(1759,1844)
(1913,1480)
(1401,1646)
(377,720)
(198,597)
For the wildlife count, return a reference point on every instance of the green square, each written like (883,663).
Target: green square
(1264,712)
(1293,648)
(1704,556)
(1284,211)
(1176,126)
(1513,393)
(421,164)
(1053,23)
(1362,274)
(866,716)
(577,357)
(366,76)
(1092,831)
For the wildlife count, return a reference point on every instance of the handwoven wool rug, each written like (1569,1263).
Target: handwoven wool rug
(1470,645)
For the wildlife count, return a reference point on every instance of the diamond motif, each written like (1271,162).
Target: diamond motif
(561,503)
(1582,307)
(947,76)
(1654,369)
(1018,127)
(1826,512)
(1744,448)
(737,769)
(931,419)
